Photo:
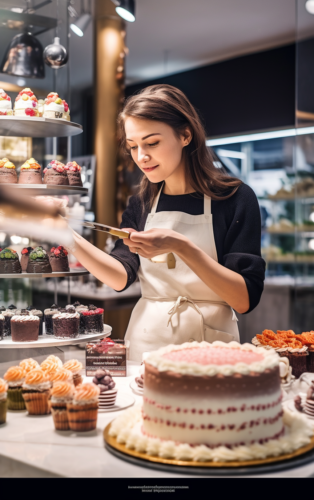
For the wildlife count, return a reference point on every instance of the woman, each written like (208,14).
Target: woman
(195,231)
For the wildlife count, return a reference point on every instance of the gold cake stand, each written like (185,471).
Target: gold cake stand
(126,453)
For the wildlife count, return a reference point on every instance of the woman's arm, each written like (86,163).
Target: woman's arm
(230,286)
(105,268)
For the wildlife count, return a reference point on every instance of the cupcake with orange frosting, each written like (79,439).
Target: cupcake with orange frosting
(29,364)
(30,172)
(3,401)
(61,395)
(83,410)
(8,173)
(75,367)
(36,392)
(61,375)
(51,365)
(15,377)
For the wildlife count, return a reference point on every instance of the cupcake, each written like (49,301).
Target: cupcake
(48,314)
(83,411)
(28,365)
(56,174)
(92,320)
(51,365)
(1,326)
(8,173)
(58,259)
(3,400)
(66,324)
(61,395)
(30,172)
(24,327)
(36,392)
(37,312)
(25,258)
(53,107)
(61,375)
(9,262)
(107,388)
(5,104)
(66,114)
(26,103)
(38,261)
(74,173)
(15,377)
(75,367)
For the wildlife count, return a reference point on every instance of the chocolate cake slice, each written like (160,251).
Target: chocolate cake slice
(92,320)
(58,259)
(56,174)
(38,261)
(9,262)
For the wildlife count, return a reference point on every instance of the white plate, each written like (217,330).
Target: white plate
(135,388)
(290,405)
(123,400)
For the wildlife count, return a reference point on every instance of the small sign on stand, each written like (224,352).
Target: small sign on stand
(107,354)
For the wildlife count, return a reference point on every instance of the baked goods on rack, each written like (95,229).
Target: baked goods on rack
(75,368)
(15,377)
(26,103)
(30,172)
(66,324)
(66,114)
(36,392)
(56,174)
(74,173)
(53,107)
(61,394)
(207,402)
(24,327)
(48,314)
(25,257)
(9,262)
(37,312)
(38,261)
(107,387)
(8,173)
(58,258)
(83,410)
(5,104)
(92,320)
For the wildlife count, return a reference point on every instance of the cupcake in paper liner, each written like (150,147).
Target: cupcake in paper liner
(75,367)
(61,375)
(83,411)
(61,395)
(3,401)
(36,392)
(15,377)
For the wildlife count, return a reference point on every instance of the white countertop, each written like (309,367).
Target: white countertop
(31,447)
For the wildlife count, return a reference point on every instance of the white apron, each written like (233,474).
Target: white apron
(176,306)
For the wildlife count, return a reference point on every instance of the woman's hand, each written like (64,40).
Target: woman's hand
(153,242)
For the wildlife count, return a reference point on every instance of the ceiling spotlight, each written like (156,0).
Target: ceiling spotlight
(24,57)
(79,26)
(310,6)
(125,9)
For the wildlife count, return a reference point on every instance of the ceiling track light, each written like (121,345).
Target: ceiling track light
(125,9)
(310,6)
(80,24)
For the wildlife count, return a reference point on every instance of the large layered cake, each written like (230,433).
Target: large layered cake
(211,402)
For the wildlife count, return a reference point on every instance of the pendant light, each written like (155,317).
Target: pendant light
(310,6)
(24,57)
(125,9)
(80,24)
(55,55)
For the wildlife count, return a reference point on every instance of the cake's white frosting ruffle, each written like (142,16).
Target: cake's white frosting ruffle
(24,318)
(157,360)
(42,386)
(127,429)
(5,104)
(54,107)
(64,315)
(21,104)
(257,343)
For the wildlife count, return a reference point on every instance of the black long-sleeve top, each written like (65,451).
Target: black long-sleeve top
(237,232)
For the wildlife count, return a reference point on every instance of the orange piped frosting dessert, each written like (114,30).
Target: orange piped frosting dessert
(61,375)
(36,377)
(86,393)
(51,364)
(61,395)
(31,163)
(83,411)
(15,376)
(3,388)
(62,390)
(8,173)
(36,392)
(28,364)
(75,367)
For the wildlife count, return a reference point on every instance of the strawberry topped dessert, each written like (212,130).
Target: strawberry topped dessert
(58,259)
(55,173)
(66,114)
(30,172)
(8,173)
(25,257)
(9,261)
(5,104)
(74,173)
(53,107)
(26,103)
(91,321)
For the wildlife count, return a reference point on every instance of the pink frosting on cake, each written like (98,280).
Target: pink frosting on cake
(214,356)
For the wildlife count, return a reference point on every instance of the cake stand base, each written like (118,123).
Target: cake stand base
(298,458)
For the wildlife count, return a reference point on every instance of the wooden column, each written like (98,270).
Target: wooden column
(109,44)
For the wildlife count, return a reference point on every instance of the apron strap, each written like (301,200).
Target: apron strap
(156,200)
(207,205)
(177,305)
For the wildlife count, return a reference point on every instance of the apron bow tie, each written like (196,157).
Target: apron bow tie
(182,300)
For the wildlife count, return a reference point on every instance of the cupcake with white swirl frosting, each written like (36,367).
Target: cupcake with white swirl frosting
(66,324)
(24,327)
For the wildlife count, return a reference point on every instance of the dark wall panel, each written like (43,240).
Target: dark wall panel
(251,92)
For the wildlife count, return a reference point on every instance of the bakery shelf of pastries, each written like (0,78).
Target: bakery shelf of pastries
(50,341)
(20,126)
(70,274)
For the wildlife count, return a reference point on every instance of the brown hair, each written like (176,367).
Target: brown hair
(169,105)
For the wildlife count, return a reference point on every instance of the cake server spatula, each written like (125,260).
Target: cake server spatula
(101,227)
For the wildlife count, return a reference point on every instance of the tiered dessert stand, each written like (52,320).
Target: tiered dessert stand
(43,127)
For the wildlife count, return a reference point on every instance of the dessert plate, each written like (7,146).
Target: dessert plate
(135,388)
(123,400)
(290,405)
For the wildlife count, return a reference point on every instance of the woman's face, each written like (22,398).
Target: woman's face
(155,148)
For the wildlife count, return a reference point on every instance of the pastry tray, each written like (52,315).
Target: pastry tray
(31,126)
(47,189)
(69,274)
(300,457)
